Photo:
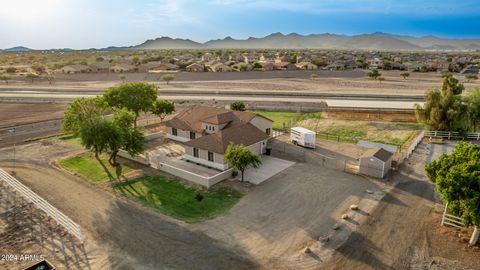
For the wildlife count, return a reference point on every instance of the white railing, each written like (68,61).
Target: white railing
(451,220)
(453,135)
(43,205)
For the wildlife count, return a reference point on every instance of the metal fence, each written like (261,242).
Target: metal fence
(38,202)
(285,150)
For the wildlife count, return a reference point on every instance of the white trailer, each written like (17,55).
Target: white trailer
(303,137)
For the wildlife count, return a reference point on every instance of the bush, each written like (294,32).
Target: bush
(199,196)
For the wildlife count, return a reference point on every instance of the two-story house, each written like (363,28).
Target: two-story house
(206,133)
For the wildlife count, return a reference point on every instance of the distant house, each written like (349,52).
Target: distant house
(376,162)
(285,66)
(267,66)
(123,68)
(220,67)
(306,66)
(72,69)
(206,133)
(195,67)
(163,67)
(102,66)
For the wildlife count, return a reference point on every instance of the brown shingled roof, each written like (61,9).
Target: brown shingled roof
(191,118)
(246,134)
(379,153)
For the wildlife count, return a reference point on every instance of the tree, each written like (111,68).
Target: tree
(31,76)
(80,111)
(50,78)
(238,106)
(168,77)
(405,75)
(473,104)
(5,78)
(39,68)
(240,158)
(11,70)
(129,138)
(162,108)
(381,79)
(451,85)
(98,134)
(444,110)
(457,179)
(257,65)
(136,97)
(471,77)
(374,74)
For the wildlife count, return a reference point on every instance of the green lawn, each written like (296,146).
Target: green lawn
(88,167)
(286,117)
(175,199)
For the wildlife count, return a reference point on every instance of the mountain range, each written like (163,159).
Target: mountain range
(375,41)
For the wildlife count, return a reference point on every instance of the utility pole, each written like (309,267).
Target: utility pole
(12,131)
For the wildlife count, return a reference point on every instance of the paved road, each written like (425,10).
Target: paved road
(348,103)
(29,131)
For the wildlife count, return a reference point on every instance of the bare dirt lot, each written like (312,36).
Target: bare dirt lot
(12,114)
(404,231)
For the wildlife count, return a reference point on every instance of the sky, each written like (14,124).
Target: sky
(82,24)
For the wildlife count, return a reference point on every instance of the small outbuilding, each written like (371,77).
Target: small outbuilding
(376,162)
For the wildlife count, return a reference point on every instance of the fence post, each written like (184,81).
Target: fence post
(444,213)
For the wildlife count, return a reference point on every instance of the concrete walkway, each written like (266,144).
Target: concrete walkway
(270,167)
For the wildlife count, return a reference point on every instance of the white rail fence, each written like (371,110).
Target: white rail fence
(69,225)
(451,220)
(453,135)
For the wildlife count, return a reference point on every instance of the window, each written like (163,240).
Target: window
(210,156)
(268,131)
(174,131)
(213,128)
(195,152)
(192,135)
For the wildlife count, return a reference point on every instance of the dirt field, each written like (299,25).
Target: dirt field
(12,114)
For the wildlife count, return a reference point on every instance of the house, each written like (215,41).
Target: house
(102,66)
(206,133)
(306,66)
(195,67)
(220,67)
(122,68)
(285,66)
(376,162)
(71,69)
(163,67)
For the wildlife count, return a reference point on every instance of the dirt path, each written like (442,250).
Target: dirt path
(400,232)
(121,234)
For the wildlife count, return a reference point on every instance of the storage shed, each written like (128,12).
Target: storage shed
(376,162)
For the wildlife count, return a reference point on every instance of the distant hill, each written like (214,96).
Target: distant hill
(375,41)
(17,49)
(169,43)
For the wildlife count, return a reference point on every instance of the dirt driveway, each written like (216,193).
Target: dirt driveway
(275,221)
(120,234)
(404,232)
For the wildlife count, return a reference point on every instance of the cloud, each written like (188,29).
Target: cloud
(405,7)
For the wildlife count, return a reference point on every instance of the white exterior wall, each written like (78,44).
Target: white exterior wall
(182,135)
(262,124)
(218,163)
